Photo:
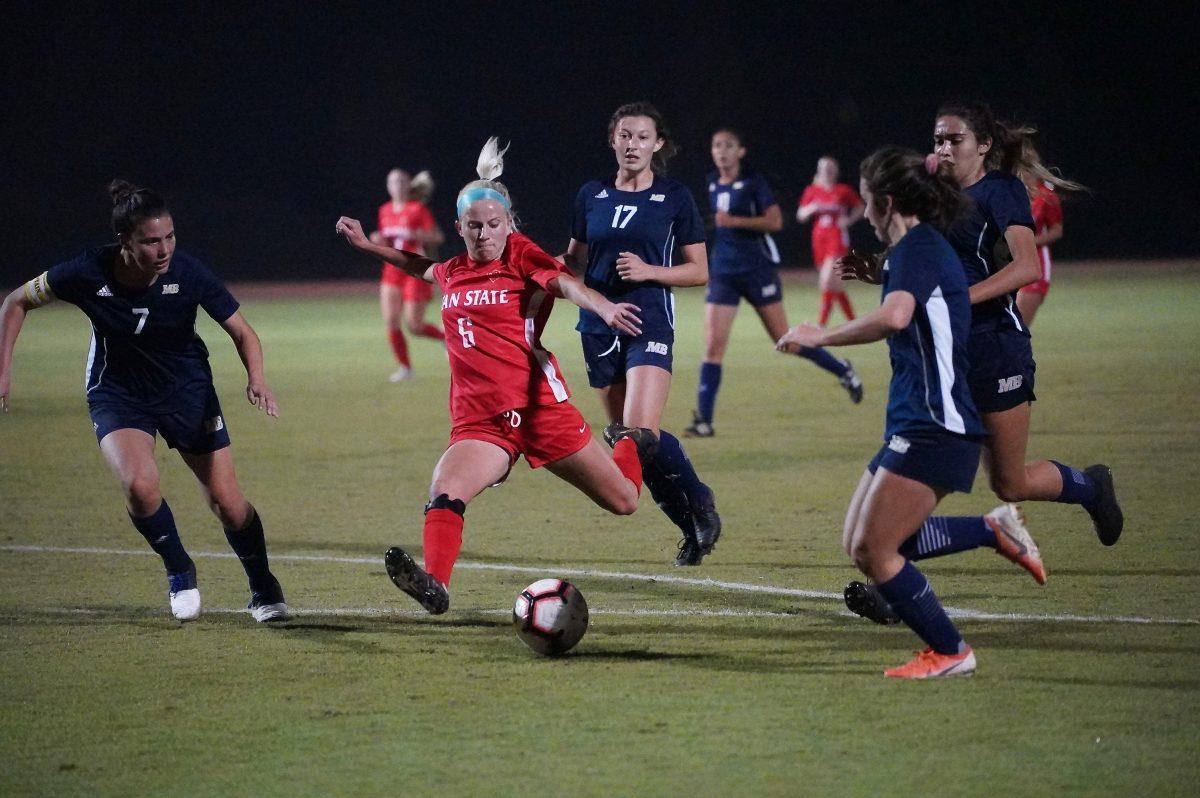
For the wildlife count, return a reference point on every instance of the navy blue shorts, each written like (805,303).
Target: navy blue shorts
(758,287)
(1001,371)
(941,460)
(608,355)
(192,427)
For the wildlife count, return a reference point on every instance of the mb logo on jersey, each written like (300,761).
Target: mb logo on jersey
(1010,383)
(657,348)
(171,288)
(899,445)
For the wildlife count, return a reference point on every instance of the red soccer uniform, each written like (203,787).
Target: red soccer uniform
(1047,212)
(829,238)
(398,227)
(504,387)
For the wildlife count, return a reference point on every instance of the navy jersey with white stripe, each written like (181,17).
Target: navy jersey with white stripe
(998,201)
(652,224)
(144,343)
(732,250)
(929,390)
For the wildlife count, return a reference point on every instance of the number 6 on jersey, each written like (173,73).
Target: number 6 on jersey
(468,335)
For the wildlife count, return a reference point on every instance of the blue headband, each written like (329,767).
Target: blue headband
(479,193)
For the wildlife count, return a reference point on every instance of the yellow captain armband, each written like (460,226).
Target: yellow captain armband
(37,291)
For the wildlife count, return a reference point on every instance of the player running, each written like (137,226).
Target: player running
(833,208)
(932,430)
(1047,229)
(406,223)
(743,261)
(147,374)
(624,234)
(507,395)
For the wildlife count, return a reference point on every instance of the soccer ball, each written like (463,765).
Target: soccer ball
(550,616)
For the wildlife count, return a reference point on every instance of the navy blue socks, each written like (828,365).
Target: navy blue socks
(160,532)
(825,360)
(250,546)
(947,534)
(706,396)
(672,480)
(914,601)
(1078,487)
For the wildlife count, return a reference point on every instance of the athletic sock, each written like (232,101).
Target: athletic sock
(706,396)
(1078,487)
(844,303)
(159,531)
(947,534)
(666,490)
(250,546)
(625,455)
(399,346)
(673,460)
(913,599)
(430,331)
(825,360)
(443,540)
(826,305)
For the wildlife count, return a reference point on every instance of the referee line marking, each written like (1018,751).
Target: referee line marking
(747,587)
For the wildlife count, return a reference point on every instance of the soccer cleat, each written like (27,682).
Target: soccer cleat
(852,383)
(931,665)
(642,437)
(268,605)
(184,595)
(689,554)
(866,601)
(1105,511)
(413,580)
(401,374)
(1013,541)
(700,428)
(706,521)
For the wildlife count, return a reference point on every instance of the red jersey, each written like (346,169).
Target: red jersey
(493,315)
(1046,207)
(398,226)
(835,203)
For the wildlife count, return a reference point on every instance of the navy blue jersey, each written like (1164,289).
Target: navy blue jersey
(732,250)
(929,390)
(651,224)
(144,343)
(999,201)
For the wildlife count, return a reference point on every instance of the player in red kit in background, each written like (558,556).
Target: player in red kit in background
(1047,229)
(507,395)
(405,223)
(833,207)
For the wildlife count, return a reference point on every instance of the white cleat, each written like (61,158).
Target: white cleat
(400,374)
(1013,541)
(185,604)
(266,613)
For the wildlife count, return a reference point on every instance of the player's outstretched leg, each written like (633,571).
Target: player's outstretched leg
(1105,511)
(842,369)
(250,545)
(405,574)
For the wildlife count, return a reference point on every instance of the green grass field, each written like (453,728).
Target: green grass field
(681,686)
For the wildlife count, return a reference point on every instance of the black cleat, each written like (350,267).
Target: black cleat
(643,438)
(413,580)
(706,520)
(689,553)
(1105,511)
(700,428)
(867,601)
(852,383)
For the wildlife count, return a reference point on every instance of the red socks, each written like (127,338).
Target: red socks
(827,300)
(826,305)
(844,304)
(443,540)
(430,331)
(399,346)
(626,457)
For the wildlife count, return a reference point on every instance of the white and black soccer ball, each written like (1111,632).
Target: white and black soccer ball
(550,616)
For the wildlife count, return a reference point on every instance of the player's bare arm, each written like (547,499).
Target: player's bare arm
(409,262)
(1023,270)
(769,222)
(249,349)
(892,315)
(693,270)
(621,316)
(34,294)
(575,258)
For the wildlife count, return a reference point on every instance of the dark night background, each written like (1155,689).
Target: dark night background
(262,122)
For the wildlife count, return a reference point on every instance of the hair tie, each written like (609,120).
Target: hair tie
(932,162)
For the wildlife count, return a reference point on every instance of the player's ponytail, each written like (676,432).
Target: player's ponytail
(131,205)
(420,188)
(489,167)
(1012,144)
(917,186)
(659,162)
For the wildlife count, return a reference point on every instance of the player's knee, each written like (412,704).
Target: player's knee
(1008,490)
(865,555)
(231,509)
(623,505)
(142,492)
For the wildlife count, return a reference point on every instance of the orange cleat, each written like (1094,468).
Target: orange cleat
(1013,541)
(931,665)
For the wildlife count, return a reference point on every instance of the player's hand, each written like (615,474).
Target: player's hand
(634,269)
(352,231)
(857,266)
(261,397)
(724,219)
(622,317)
(802,336)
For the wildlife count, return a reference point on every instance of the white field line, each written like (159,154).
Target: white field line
(748,587)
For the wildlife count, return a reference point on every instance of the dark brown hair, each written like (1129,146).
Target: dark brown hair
(902,174)
(131,205)
(669,148)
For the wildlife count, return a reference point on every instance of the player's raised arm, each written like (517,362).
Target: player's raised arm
(411,263)
(249,348)
(32,295)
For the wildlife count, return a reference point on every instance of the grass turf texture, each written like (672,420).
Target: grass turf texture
(102,693)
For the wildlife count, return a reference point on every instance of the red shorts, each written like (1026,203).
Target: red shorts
(413,289)
(544,433)
(828,242)
(1041,286)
